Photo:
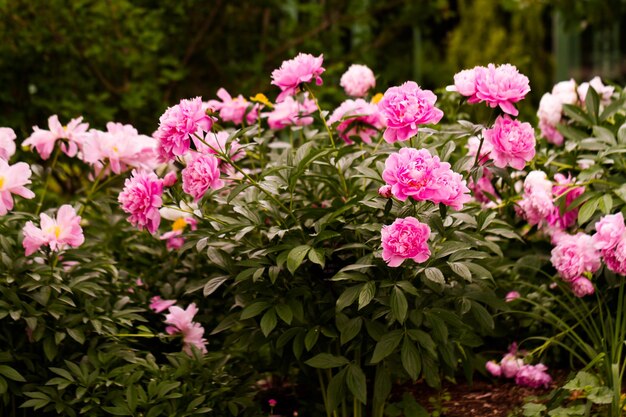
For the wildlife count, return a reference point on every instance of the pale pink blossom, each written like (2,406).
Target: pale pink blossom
(537,202)
(234,109)
(550,109)
(170,179)
(181,321)
(157,304)
(511,296)
(533,376)
(565,186)
(357,80)
(304,68)
(500,86)
(575,255)
(510,365)
(71,137)
(405,238)
(57,233)
(201,174)
(473,143)
(566,92)
(13,179)
(405,108)
(7,143)
(357,118)
(605,92)
(610,230)
(493,368)
(551,133)
(216,144)
(141,198)
(581,287)
(465,82)
(178,125)
(291,112)
(512,142)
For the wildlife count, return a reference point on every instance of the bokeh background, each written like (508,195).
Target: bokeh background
(127,60)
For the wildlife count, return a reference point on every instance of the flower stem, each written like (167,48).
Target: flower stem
(57,152)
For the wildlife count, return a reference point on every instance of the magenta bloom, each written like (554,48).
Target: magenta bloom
(581,287)
(500,86)
(57,233)
(493,368)
(512,142)
(13,178)
(511,364)
(357,118)
(575,255)
(7,143)
(385,191)
(177,125)
(201,174)
(405,108)
(157,304)
(304,68)
(565,186)
(405,239)
(170,179)
(291,112)
(610,230)
(357,80)
(533,376)
(141,198)
(615,259)
(448,188)
(71,136)
(181,321)
(234,109)
(512,295)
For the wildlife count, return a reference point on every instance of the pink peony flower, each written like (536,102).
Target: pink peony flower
(272,402)
(493,368)
(550,109)
(500,86)
(551,133)
(57,233)
(170,179)
(575,255)
(512,295)
(357,118)
(536,203)
(581,286)
(405,108)
(610,231)
(473,143)
(566,92)
(71,136)
(174,239)
(178,124)
(13,178)
(181,321)
(157,304)
(564,186)
(304,68)
(7,143)
(141,198)
(604,91)
(405,239)
(385,191)
(513,143)
(483,187)
(533,376)
(615,259)
(465,82)
(291,112)
(234,109)
(357,80)
(216,143)
(201,174)
(448,188)
(510,365)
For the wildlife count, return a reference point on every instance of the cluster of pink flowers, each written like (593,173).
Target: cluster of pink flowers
(357,118)
(605,92)
(13,179)
(551,109)
(291,112)
(181,322)
(141,198)
(610,240)
(500,85)
(179,125)
(71,137)
(423,177)
(576,258)
(512,366)
(7,143)
(405,238)
(405,108)
(510,142)
(538,206)
(304,68)
(357,80)
(57,233)
(234,110)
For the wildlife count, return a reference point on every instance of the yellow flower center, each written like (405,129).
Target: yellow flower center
(179,224)
(377,98)
(56,230)
(1,182)
(115,149)
(260,98)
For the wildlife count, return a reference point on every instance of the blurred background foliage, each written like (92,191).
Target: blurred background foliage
(127,60)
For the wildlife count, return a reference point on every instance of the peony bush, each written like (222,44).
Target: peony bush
(346,249)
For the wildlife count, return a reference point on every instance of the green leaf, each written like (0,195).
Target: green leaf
(606,203)
(311,337)
(11,373)
(348,297)
(350,329)
(592,103)
(254,309)
(399,305)
(534,409)
(326,360)
(284,312)
(435,275)
(587,210)
(577,114)
(368,290)
(355,380)
(411,407)
(461,270)
(386,345)
(317,257)
(336,391)
(482,316)
(268,322)
(3,385)
(76,334)
(382,389)
(410,359)
(296,256)
(214,284)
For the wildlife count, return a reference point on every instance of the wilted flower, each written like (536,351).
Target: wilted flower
(405,239)
(533,376)
(493,368)
(304,68)
(357,80)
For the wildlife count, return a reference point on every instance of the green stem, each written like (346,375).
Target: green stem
(320,377)
(93,188)
(57,152)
